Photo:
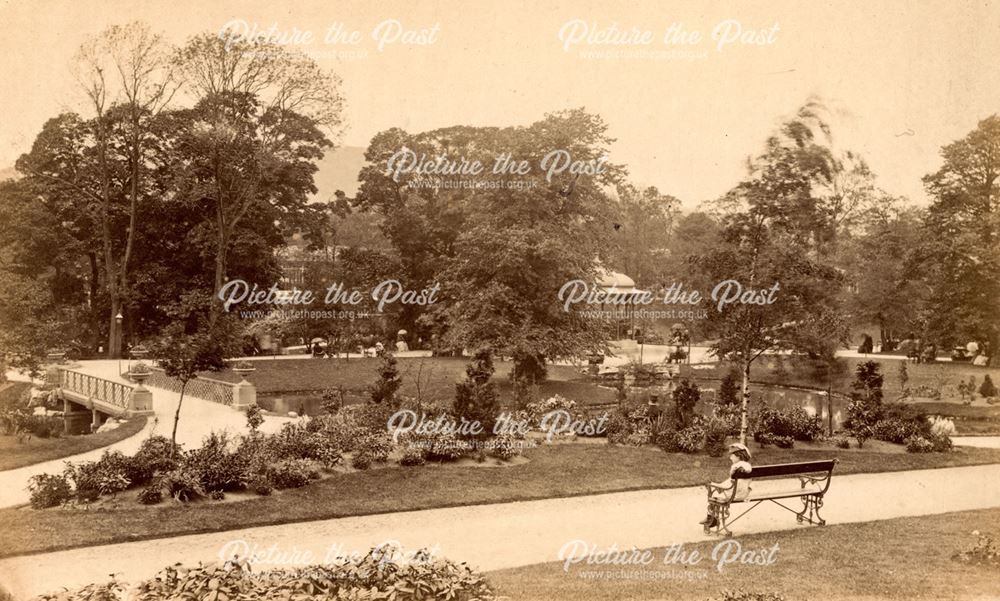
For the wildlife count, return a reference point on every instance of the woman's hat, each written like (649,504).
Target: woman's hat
(738,446)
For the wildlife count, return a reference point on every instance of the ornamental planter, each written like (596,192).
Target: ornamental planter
(243,368)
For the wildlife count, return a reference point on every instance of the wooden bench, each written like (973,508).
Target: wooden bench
(807,480)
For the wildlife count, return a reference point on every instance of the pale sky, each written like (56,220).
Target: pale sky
(905,77)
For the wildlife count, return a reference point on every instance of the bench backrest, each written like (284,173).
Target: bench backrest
(788,469)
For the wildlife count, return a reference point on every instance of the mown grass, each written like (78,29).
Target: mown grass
(904,558)
(302,381)
(15,453)
(553,471)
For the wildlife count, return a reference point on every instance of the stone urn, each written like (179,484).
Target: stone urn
(244,368)
(140,372)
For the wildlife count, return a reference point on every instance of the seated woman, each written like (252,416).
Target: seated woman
(739,457)
(981,360)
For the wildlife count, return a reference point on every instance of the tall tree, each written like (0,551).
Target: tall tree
(260,125)
(775,227)
(964,249)
(126,76)
(517,245)
(642,232)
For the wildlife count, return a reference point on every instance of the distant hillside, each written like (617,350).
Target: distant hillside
(339,171)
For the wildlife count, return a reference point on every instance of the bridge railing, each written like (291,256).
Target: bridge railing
(203,388)
(107,391)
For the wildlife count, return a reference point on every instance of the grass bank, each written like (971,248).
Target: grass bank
(903,558)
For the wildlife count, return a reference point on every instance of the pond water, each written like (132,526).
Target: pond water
(813,402)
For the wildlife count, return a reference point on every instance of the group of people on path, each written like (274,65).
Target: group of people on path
(918,351)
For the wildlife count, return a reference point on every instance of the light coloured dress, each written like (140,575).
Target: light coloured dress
(742,485)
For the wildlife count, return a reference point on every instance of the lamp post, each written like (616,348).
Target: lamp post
(118,320)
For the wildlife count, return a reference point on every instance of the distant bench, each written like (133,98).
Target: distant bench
(808,480)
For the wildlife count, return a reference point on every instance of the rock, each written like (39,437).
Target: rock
(109,425)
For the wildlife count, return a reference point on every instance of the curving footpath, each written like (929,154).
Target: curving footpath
(491,537)
(198,418)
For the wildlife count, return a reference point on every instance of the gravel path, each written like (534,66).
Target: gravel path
(491,537)
(198,418)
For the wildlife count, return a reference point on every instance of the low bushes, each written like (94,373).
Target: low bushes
(374,576)
(49,490)
(291,473)
(772,426)
(223,463)
(935,444)
(504,447)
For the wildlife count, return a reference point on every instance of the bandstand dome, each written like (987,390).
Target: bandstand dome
(614,279)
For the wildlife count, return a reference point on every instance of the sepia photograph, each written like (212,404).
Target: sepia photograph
(564,300)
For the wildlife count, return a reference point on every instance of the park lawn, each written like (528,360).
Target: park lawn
(561,470)
(903,558)
(969,419)
(799,371)
(302,381)
(15,454)
(977,418)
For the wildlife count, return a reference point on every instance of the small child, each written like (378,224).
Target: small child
(739,457)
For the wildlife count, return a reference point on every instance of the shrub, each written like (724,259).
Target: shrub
(361,461)
(894,430)
(377,445)
(919,444)
(729,390)
(867,383)
(49,490)
(150,495)
(341,430)
(115,472)
(504,447)
(254,417)
(618,427)
(413,455)
(941,444)
(332,400)
(639,437)
(539,409)
(295,441)
(691,439)
(716,431)
(107,476)
(182,484)
(668,439)
(261,485)
(842,442)
(374,576)
(445,447)
(782,442)
(153,457)
(219,468)
(383,390)
(476,398)
(987,389)
(793,423)
(290,473)
(686,396)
